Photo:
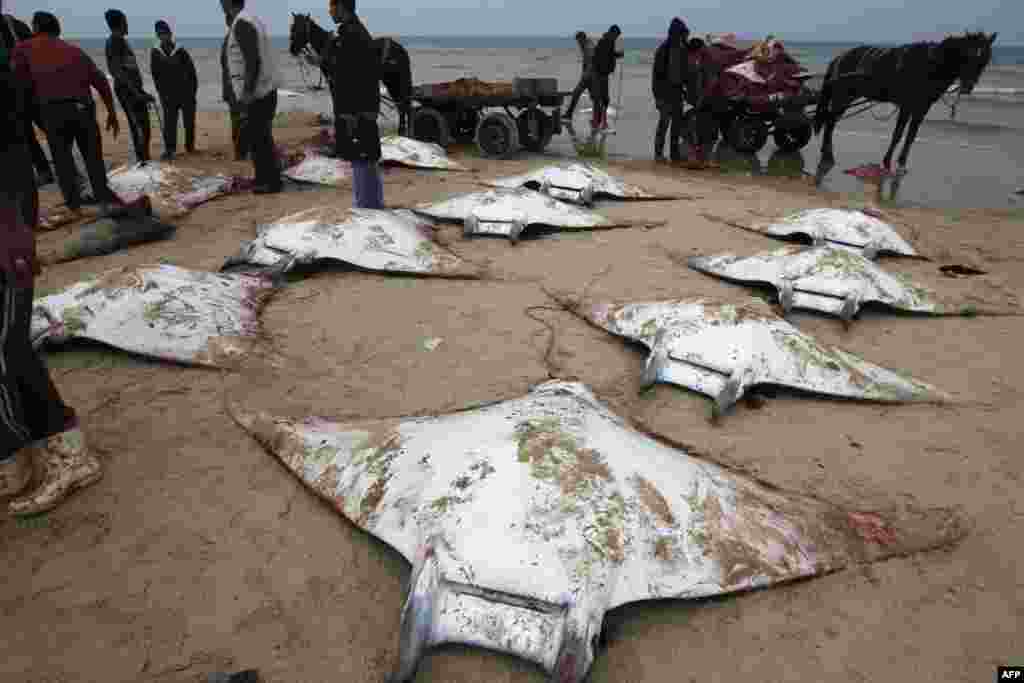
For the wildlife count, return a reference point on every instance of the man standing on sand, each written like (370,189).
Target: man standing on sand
(60,75)
(354,65)
(13,31)
(39,434)
(124,69)
(586,74)
(605,56)
(249,67)
(176,81)
(668,84)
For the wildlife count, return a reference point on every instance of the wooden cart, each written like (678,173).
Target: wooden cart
(500,117)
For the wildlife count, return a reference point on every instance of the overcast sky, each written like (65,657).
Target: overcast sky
(823,20)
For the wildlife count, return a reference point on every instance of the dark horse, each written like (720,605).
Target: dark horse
(913,77)
(396,68)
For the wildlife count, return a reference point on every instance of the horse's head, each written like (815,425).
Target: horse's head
(298,36)
(973,53)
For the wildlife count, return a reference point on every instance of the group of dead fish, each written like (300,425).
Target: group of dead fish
(526,520)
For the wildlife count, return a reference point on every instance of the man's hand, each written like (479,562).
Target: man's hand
(112,123)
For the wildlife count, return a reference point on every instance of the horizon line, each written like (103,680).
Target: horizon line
(483,36)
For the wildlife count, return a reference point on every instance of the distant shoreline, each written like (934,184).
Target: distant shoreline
(477,38)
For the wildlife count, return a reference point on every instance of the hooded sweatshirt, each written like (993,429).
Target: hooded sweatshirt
(174,74)
(669,74)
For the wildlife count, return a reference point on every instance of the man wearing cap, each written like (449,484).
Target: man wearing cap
(39,435)
(249,66)
(605,56)
(354,65)
(668,84)
(174,75)
(13,31)
(124,69)
(586,77)
(61,75)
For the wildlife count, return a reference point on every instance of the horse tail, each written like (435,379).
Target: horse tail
(822,109)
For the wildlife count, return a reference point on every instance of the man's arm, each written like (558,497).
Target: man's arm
(248,42)
(193,78)
(99,83)
(156,70)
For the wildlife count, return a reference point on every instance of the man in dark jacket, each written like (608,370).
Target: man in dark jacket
(13,31)
(124,69)
(605,56)
(176,81)
(354,64)
(586,73)
(61,75)
(39,434)
(668,84)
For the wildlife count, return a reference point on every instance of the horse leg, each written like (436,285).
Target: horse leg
(897,133)
(915,123)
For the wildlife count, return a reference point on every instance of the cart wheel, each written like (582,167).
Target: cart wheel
(792,133)
(747,135)
(535,129)
(497,136)
(704,132)
(463,124)
(429,125)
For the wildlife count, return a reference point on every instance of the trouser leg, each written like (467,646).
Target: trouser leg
(30,405)
(138,123)
(188,115)
(170,126)
(87,136)
(676,130)
(258,133)
(58,122)
(577,92)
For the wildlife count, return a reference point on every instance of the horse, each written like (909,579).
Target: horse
(913,77)
(396,67)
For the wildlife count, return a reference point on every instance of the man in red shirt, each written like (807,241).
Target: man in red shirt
(38,432)
(61,75)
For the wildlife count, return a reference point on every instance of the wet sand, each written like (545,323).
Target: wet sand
(199,552)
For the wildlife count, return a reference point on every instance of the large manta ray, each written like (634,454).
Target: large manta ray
(526,520)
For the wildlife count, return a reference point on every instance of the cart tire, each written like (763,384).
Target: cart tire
(462,124)
(497,135)
(530,120)
(792,133)
(747,135)
(429,125)
(692,126)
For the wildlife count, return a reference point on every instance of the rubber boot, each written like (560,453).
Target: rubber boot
(66,465)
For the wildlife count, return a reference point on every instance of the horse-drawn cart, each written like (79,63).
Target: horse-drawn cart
(500,117)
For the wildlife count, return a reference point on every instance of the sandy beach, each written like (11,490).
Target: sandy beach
(199,552)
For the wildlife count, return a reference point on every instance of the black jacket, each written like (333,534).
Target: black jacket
(605,55)
(174,74)
(663,86)
(21,31)
(354,65)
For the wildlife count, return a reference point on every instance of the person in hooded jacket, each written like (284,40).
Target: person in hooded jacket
(605,57)
(354,65)
(176,81)
(668,84)
(13,31)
